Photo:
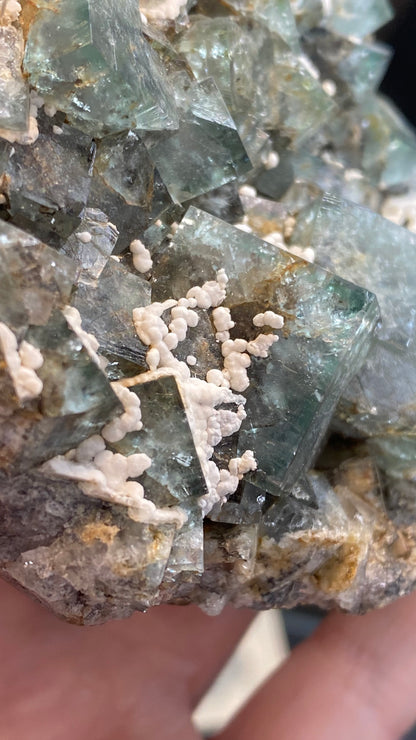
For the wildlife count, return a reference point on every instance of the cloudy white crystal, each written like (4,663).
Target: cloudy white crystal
(142,259)
(129,421)
(21,364)
(162,10)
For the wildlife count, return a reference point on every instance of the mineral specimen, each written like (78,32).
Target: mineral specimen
(191,410)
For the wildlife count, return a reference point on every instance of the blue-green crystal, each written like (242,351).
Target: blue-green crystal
(106,308)
(358,17)
(34,279)
(263,84)
(328,323)
(175,472)
(90,59)
(214,151)
(365,248)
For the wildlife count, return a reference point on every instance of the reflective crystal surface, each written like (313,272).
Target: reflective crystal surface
(176,473)
(106,307)
(294,390)
(371,251)
(263,84)
(215,153)
(353,18)
(90,59)
(37,197)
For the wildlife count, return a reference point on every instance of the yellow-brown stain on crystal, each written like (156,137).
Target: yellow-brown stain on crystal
(339,572)
(93,531)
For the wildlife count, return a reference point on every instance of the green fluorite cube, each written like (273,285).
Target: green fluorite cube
(205,152)
(175,473)
(358,17)
(89,57)
(363,247)
(328,324)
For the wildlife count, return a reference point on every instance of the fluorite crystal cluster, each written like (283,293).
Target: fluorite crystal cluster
(207,306)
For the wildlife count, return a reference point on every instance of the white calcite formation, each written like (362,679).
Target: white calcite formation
(22,363)
(162,326)
(162,10)
(142,260)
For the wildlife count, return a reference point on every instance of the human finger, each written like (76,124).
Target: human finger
(354,678)
(131,679)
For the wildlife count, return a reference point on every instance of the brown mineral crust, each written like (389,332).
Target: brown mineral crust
(98,531)
(339,572)
(30,9)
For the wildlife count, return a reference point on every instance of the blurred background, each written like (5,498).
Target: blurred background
(274,634)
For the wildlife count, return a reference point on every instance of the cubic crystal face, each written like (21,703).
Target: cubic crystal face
(175,474)
(216,154)
(91,59)
(207,300)
(293,391)
(362,247)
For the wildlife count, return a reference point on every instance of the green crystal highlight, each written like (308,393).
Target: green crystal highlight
(91,60)
(327,325)
(358,244)
(215,153)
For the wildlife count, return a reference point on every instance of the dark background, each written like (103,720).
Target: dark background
(400,81)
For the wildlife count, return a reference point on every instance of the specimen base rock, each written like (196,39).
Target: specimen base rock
(207,300)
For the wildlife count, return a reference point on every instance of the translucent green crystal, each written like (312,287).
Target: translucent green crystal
(126,185)
(329,176)
(328,323)
(34,279)
(363,247)
(308,13)
(262,83)
(75,402)
(89,59)
(277,15)
(77,398)
(91,244)
(124,165)
(187,553)
(39,199)
(106,307)
(374,139)
(175,472)
(223,202)
(358,17)
(389,144)
(214,151)
(396,455)
(356,68)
